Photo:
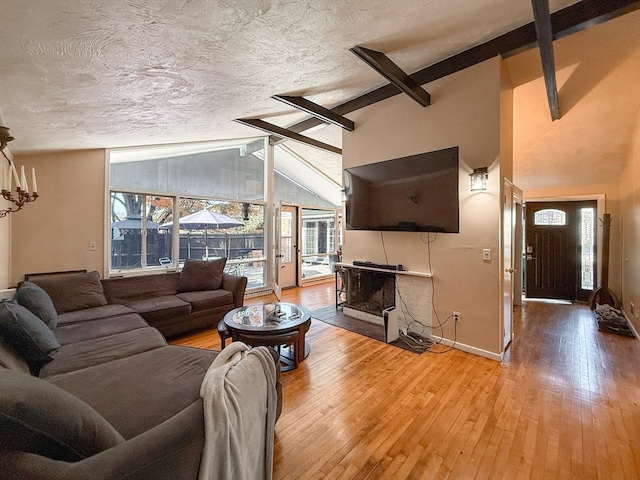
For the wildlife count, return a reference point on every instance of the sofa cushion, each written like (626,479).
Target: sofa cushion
(41,418)
(160,308)
(78,332)
(34,298)
(103,349)
(92,314)
(72,291)
(207,299)
(123,290)
(156,384)
(11,359)
(198,275)
(27,333)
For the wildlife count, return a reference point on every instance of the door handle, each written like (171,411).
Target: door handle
(530,257)
(511,270)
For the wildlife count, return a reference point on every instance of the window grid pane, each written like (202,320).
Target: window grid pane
(550,217)
(587,247)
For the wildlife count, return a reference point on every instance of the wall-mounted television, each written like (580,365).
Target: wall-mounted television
(418,193)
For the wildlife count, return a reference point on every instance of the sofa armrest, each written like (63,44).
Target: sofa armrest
(171,451)
(236,285)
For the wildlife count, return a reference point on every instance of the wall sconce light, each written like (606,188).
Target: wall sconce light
(20,196)
(479,179)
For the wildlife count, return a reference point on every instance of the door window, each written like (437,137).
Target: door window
(550,216)
(587,247)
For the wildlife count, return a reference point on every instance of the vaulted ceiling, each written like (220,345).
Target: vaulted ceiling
(115,73)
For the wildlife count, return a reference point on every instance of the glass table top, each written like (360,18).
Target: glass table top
(268,315)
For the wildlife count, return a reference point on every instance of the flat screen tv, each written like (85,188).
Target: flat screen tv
(418,193)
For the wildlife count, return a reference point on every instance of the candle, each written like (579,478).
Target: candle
(2,124)
(4,175)
(15,176)
(33,180)
(23,180)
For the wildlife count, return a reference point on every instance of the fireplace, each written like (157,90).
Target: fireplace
(370,291)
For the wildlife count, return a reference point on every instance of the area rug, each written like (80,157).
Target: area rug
(335,317)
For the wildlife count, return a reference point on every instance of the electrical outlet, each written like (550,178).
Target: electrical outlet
(93,246)
(456,316)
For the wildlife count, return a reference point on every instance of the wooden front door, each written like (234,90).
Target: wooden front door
(555,258)
(550,250)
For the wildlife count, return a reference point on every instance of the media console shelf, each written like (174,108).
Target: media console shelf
(385,270)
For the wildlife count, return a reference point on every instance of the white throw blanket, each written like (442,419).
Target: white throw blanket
(239,394)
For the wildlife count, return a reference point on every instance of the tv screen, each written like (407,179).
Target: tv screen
(418,193)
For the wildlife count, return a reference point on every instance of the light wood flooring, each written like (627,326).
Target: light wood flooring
(564,404)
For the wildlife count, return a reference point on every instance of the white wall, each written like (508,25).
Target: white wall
(465,112)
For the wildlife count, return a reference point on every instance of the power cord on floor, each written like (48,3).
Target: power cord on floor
(415,341)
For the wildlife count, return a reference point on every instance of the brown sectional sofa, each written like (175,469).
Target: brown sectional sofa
(107,397)
(174,302)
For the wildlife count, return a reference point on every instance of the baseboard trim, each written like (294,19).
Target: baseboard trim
(469,349)
(631,325)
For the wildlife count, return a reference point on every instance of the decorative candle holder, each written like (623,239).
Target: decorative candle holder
(19,198)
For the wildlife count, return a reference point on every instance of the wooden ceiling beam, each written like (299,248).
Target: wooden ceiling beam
(542,19)
(569,20)
(284,133)
(392,72)
(317,111)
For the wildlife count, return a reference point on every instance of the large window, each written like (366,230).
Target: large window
(137,238)
(163,200)
(209,204)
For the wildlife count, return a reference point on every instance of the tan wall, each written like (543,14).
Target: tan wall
(5,245)
(465,112)
(53,233)
(630,206)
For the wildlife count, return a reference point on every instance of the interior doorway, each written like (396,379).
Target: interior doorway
(560,261)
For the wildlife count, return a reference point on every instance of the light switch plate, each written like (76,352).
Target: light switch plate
(486,254)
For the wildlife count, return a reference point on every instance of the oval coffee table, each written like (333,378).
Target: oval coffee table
(272,324)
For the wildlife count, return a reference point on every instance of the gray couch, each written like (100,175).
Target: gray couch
(91,390)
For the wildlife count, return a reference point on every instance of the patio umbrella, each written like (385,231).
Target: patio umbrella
(205,220)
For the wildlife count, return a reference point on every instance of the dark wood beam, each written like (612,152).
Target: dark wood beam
(392,72)
(544,33)
(317,111)
(284,133)
(569,20)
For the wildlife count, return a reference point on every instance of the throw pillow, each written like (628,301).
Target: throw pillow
(40,418)
(72,291)
(27,333)
(34,298)
(198,275)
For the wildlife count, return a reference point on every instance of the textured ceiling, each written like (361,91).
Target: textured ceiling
(113,73)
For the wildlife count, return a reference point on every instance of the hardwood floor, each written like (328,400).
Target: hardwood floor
(564,404)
